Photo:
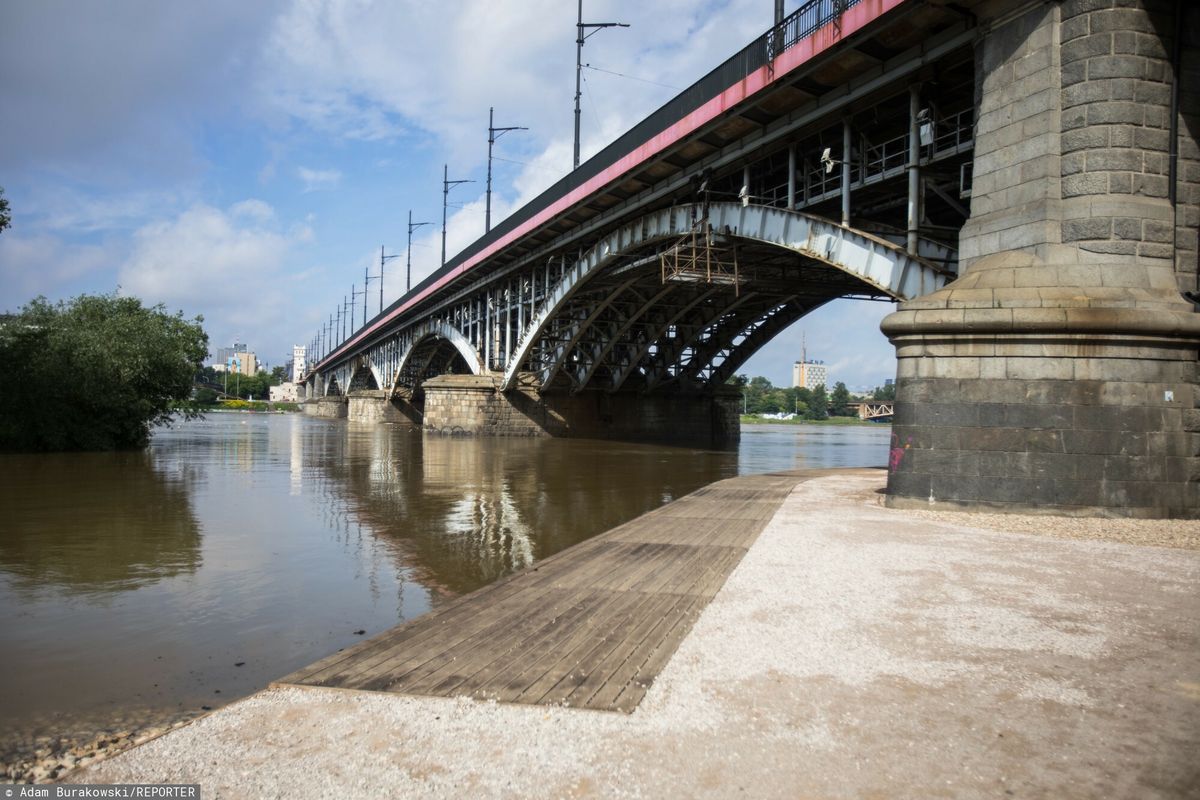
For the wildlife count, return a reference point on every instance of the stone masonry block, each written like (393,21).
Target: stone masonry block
(1122,88)
(1085,184)
(1073,73)
(1157,231)
(1121,19)
(1115,159)
(1074,27)
(1075,8)
(1127,228)
(1073,164)
(1151,45)
(1151,139)
(1158,94)
(1155,250)
(1086,92)
(1085,139)
(1150,185)
(1096,44)
(1116,113)
(1120,183)
(1080,229)
(1124,43)
(1123,66)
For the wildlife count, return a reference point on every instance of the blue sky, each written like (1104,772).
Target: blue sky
(245,161)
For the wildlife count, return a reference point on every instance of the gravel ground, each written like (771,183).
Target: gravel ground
(856,651)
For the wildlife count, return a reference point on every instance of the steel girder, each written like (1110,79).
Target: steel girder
(614,319)
(588,319)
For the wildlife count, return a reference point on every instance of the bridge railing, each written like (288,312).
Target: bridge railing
(951,135)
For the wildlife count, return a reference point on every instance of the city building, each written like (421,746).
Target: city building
(244,362)
(810,374)
(284,393)
(299,364)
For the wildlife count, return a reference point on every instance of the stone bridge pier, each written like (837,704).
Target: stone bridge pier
(475,405)
(1058,373)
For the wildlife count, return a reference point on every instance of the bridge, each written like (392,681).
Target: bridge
(1023,175)
(875,410)
(651,273)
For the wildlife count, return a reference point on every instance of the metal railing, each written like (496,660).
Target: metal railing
(874,163)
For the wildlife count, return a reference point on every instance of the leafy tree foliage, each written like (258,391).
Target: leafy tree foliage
(5,214)
(884,392)
(819,407)
(839,401)
(95,373)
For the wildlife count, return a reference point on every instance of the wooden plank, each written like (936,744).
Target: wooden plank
(589,627)
(612,677)
(468,679)
(635,688)
(584,669)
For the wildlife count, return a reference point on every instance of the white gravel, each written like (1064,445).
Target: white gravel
(856,651)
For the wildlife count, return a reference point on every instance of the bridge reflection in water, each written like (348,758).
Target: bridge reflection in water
(459,513)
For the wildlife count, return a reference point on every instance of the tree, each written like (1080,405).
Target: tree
(5,214)
(819,407)
(884,392)
(278,375)
(94,373)
(839,401)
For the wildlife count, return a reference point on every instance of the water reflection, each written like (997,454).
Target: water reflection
(91,523)
(460,513)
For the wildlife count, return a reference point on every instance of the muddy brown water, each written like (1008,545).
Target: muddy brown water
(136,588)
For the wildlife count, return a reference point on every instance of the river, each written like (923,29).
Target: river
(138,587)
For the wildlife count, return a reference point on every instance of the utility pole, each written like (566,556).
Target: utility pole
(412,226)
(492,137)
(366,283)
(580,38)
(354,294)
(383,260)
(446,184)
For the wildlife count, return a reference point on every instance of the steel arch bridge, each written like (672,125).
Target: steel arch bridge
(676,300)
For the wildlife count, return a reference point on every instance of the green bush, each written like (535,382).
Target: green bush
(94,373)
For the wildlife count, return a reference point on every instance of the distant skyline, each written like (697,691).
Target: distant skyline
(245,161)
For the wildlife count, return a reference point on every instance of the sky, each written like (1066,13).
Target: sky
(246,161)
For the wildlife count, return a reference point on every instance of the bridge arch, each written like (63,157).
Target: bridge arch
(417,355)
(605,315)
(358,366)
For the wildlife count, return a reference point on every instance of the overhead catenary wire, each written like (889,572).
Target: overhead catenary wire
(631,77)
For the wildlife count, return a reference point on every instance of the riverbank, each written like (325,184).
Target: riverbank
(855,651)
(45,758)
(751,419)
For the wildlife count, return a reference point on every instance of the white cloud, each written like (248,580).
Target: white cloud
(316,179)
(226,265)
(370,70)
(255,210)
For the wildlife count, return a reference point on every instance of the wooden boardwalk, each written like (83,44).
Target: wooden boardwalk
(589,627)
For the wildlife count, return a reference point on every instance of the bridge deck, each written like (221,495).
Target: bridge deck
(589,627)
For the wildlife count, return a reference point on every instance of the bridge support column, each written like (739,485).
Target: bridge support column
(377,406)
(1059,373)
(470,405)
(330,407)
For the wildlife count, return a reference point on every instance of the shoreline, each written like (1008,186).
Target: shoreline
(1024,664)
(123,755)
